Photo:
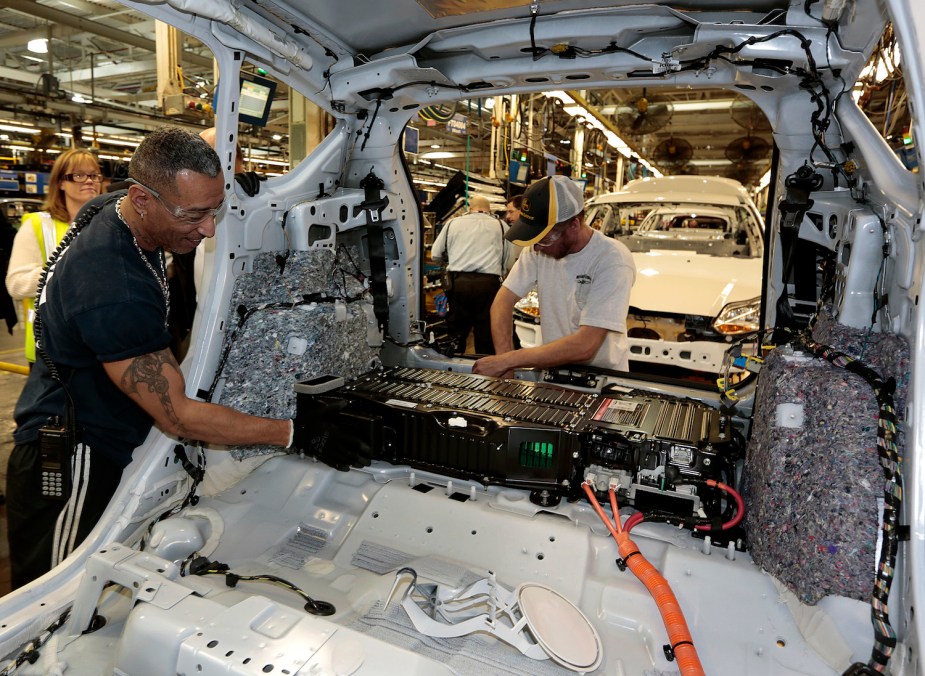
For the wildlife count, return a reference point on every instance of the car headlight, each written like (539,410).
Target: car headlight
(739,317)
(529,304)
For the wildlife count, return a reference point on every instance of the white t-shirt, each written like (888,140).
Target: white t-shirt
(474,243)
(588,288)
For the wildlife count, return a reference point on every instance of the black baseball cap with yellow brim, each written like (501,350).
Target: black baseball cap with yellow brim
(550,200)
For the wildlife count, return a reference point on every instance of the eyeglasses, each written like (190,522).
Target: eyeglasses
(188,216)
(550,239)
(81,177)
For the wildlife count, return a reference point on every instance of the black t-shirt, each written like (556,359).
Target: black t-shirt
(102,304)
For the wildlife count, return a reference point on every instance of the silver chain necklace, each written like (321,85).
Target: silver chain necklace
(161,278)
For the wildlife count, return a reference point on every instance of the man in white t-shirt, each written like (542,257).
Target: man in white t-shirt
(477,256)
(583,278)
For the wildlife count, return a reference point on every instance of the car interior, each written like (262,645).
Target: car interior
(746,499)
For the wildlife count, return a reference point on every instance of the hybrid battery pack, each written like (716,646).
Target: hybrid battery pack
(542,437)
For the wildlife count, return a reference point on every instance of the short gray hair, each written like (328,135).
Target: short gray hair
(167,151)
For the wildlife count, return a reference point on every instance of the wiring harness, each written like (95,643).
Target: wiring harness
(30,652)
(891,462)
(730,519)
(202,566)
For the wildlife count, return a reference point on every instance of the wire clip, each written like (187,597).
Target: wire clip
(666,65)
(670,649)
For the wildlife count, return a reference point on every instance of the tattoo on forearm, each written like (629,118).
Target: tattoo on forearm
(148,371)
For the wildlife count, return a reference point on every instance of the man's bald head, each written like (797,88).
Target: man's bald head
(479,203)
(208,135)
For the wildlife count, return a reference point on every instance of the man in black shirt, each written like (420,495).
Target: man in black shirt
(104,357)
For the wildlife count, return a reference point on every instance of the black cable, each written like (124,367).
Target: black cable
(202,566)
(523,116)
(534,50)
(612,48)
(30,651)
(369,127)
(197,473)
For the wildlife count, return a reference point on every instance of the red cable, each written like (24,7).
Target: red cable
(633,521)
(740,507)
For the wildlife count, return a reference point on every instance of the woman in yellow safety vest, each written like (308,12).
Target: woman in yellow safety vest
(75,180)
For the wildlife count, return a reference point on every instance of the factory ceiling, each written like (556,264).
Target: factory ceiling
(100,74)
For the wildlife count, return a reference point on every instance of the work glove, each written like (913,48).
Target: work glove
(323,430)
(249,182)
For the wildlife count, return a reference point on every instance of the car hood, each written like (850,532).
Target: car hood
(682,282)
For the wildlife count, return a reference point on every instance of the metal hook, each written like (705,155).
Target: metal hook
(398,574)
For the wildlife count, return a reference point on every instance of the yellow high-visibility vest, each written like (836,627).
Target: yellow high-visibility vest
(48,232)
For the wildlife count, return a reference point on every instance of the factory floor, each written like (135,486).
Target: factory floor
(11,353)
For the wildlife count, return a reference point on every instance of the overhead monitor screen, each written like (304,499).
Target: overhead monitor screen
(256,99)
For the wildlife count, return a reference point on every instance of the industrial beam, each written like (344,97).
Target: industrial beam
(34,9)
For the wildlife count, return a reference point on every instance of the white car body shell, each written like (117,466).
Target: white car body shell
(371,66)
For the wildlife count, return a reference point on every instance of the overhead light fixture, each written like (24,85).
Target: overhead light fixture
(38,46)
(695,106)
(439,155)
(559,94)
(110,140)
(16,129)
(684,106)
(764,181)
(263,160)
(723,162)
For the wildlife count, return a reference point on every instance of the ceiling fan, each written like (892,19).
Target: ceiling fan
(643,114)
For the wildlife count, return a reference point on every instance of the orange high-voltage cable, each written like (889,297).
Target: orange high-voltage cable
(679,636)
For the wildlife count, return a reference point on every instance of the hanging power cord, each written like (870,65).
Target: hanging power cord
(202,566)
(681,643)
